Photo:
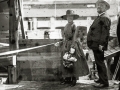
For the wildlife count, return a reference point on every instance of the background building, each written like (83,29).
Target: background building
(39,14)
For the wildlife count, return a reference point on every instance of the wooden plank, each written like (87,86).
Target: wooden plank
(31,64)
(45,49)
(4,49)
(40,74)
(36,58)
(38,41)
(40,63)
(112,52)
(5,62)
(4,44)
(4,31)
(4,22)
(27,49)
(3,74)
(4,40)
(4,35)
(108,54)
(38,54)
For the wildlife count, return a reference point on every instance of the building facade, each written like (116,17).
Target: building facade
(46,14)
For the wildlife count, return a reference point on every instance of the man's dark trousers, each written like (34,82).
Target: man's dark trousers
(102,71)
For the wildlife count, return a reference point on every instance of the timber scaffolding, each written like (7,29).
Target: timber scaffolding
(19,58)
(15,22)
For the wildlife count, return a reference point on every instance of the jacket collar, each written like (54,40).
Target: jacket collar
(101,14)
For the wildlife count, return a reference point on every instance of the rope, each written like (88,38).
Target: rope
(116,70)
(118,64)
(22,50)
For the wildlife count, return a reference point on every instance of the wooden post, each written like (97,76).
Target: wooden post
(13,39)
(14,72)
(52,22)
(11,25)
(9,74)
(12,75)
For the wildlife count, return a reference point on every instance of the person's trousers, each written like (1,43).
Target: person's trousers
(102,71)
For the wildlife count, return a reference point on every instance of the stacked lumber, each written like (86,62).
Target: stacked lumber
(39,64)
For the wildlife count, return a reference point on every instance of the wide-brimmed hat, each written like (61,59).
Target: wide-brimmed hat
(105,2)
(70,12)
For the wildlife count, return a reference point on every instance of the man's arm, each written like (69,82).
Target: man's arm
(118,30)
(105,28)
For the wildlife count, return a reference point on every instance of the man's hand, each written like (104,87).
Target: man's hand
(101,48)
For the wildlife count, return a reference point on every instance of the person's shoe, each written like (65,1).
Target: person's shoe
(73,82)
(97,81)
(63,82)
(101,85)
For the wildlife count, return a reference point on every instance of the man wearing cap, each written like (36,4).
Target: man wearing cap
(97,40)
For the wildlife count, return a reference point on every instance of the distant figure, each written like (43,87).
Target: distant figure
(73,63)
(46,35)
(97,40)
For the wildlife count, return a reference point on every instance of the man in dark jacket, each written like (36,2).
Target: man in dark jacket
(118,30)
(118,56)
(97,40)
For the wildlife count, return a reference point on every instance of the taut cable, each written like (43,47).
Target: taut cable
(26,49)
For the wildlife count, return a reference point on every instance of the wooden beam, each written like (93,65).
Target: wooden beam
(17,33)
(12,18)
(22,50)
(22,25)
